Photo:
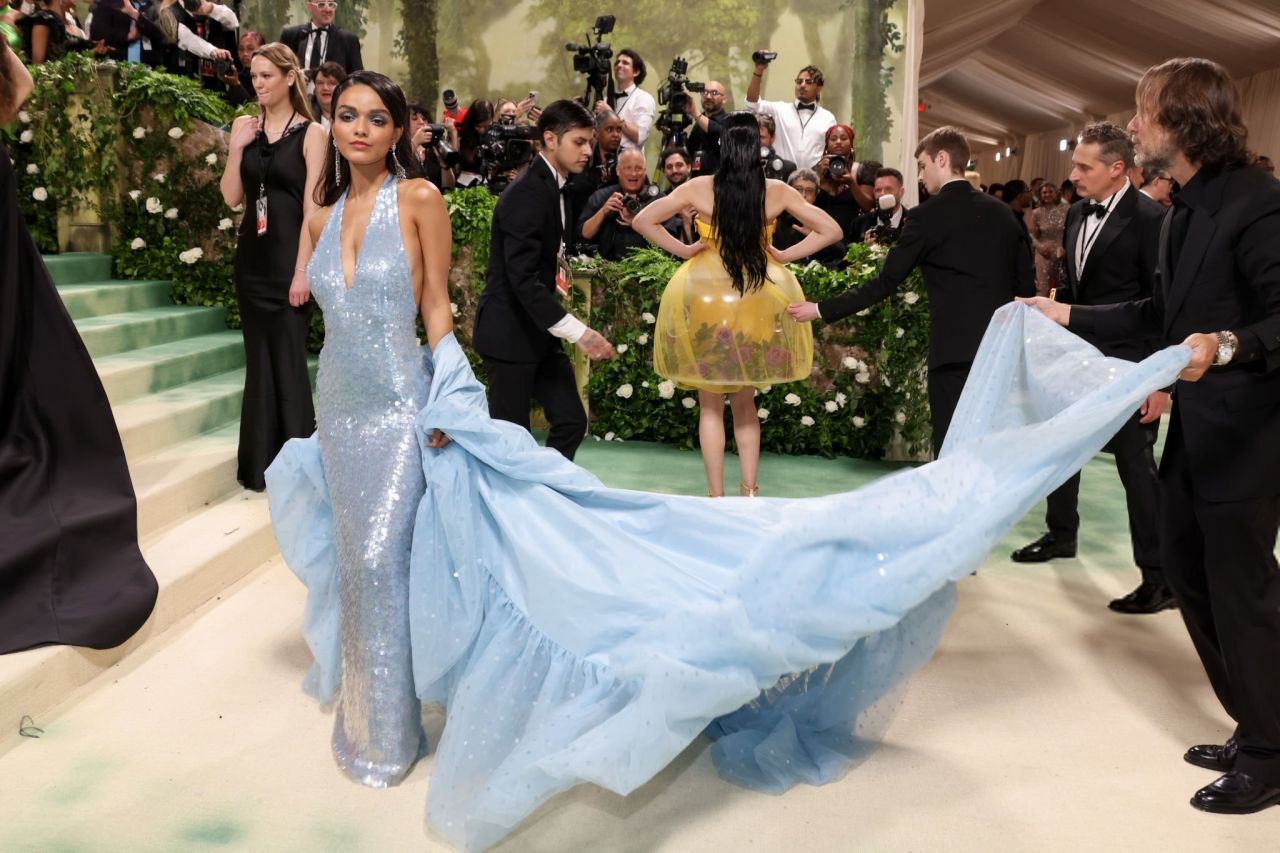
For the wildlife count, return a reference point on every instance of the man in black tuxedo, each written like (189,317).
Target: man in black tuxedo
(1109,247)
(884,223)
(322,41)
(1218,293)
(975,260)
(519,322)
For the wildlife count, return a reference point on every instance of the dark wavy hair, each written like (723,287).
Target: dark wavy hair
(332,187)
(637,63)
(1197,102)
(738,218)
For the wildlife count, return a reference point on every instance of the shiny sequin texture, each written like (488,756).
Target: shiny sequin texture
(371,384)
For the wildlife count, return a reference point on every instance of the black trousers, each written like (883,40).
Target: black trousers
(945,384)
(1219,559)
(514,385)
(1133,447)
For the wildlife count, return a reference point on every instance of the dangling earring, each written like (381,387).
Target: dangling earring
(400,173)
(337,165)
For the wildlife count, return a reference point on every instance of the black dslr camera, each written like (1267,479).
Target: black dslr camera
(764,57)
(593,60)
(502,148)
(771,162)
(439,142)
(638,202)
(674,97)
(837,167)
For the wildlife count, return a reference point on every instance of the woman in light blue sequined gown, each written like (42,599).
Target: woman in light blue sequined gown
(577,633)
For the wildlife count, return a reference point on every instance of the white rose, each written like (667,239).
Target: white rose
(648,318)
(621,348)
(791,400)
(911,297)
(885,380)
(159,178)
(864,312)
(862,378)
(33,169)
(139,132)
(26,136)
(644,384)
(850,363)
(900,417)
(899,332)
(226,224)
(625,391)
(171,213)
(211,159)
(859,422)
(24,116)
(666,389)
(831,405)
(40,194)
(453,308)
(842,398)
(175,133)
(806,421)
(766,389)
(642,340)
(688,402)
(608,436)
(138,243)
(762,414)
(154,205)
(239,208)
(190,256)
(135,194)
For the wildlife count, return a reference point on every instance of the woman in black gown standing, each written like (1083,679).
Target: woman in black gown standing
(70,569)
(273,166)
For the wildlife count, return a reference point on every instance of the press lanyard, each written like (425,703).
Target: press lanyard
(266,151)
(1086,243)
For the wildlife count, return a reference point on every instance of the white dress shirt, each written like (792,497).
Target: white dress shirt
(192,43)
(802,139)
(637,107)
(1092,227)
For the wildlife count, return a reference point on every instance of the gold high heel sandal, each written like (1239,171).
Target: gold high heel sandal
(748,491)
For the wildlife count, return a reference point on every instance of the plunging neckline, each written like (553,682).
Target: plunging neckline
(342,249)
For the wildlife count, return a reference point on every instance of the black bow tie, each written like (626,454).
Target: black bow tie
(802,106)
(315,29)
(1098,210)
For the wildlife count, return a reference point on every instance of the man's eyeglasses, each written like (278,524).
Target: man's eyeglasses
(803,81)
(325,4)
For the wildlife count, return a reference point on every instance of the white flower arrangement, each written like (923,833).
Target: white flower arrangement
(842,398)
(154,205)
(862,377)
(911,297)
(33,169)
(625,391)
(139,132)
(608,436)
(762,414)
(134,195)
(225,224)
(24,116)
(175,133)
(171,213)
(622,348)
(688,402)
(159,177)
(138,243)
(453,309)
(190,256)
(831,406)
(805,420)
(648,318)
(859,422)
(791,400)
(644,384)
(850,363)
(40,194)
(766,389)
(642,340)
(211,159)
(26,136)
(666,389)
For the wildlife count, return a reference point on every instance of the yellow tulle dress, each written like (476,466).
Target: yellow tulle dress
(710,337)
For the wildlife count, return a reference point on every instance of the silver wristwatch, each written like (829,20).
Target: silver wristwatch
(1226,348)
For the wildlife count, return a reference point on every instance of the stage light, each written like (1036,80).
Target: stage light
(1008,152)
(997,156)
(1062,145)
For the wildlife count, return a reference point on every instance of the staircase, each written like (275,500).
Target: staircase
(174,375)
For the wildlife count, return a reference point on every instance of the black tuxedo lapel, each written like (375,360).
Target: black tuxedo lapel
(1072,239)
(543,172)
(1199,233)
(1112,228)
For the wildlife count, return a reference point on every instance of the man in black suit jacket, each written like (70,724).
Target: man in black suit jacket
(519,322)
(975,260)
(1109,247)
(1217,292)
(322,41)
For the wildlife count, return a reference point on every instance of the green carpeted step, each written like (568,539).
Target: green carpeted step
(78,267)
(116,333)
(132,374)
(182,479)
(97,298)
(151,423)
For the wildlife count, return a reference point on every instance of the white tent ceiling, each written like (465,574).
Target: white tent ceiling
(1006,69)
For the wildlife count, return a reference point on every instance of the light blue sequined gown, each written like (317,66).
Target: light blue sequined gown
(579,633)
(371,384)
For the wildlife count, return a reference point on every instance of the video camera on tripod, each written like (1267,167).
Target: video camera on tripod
(593,60)
(674,96)
(502,148)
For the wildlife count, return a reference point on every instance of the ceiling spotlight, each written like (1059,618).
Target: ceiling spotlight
(1062,145)
(1008,152)
(997,156)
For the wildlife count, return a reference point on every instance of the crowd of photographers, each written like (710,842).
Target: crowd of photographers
(487,143)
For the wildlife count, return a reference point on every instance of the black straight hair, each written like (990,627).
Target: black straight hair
(562,116)
(332,185)
(738,219)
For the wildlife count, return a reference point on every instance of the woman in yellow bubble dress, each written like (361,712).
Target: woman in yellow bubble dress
(723,326)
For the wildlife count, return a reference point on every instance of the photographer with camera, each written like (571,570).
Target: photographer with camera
(471,131)
(884,224)
(193,30)
(801,124)
(433,145)
(704,140)
(840,194)
(602,169)
(238,78)
(775,166)
(606,221)
(632,104)
(788,231)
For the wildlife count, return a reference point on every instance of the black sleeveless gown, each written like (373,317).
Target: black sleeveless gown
(70,569)
(277,386)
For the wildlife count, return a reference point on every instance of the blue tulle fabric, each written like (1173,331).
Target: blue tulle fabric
(579,633)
